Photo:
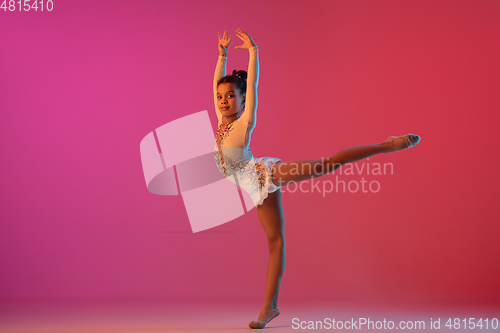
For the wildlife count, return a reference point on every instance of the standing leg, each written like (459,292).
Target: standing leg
(273,221)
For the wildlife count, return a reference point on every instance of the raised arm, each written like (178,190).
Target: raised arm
(220,69)
(250,114)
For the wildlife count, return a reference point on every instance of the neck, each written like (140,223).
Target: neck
(230,119)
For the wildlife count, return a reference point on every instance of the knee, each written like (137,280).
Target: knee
(330,166)
(276,243)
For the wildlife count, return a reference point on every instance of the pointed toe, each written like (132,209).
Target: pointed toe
(262,322)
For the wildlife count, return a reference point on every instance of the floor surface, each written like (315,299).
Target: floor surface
(232,316)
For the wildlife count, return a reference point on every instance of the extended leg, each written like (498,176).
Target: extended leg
(285,173)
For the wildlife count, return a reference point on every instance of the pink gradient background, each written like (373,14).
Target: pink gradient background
(82,85)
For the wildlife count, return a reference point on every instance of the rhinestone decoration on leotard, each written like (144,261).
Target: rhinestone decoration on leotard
(220,143)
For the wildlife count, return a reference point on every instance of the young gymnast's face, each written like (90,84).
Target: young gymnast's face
(230,100)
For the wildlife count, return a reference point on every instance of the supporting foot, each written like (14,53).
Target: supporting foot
(403,142)
(263,320)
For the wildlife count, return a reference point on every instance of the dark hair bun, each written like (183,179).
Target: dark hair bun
(242,74)
(239,78)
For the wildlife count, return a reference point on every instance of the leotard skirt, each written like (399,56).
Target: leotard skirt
(253,175)
(264,168)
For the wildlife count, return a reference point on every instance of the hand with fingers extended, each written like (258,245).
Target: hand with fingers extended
(224,43)
(247,40)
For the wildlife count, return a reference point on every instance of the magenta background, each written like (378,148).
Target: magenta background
(82,85)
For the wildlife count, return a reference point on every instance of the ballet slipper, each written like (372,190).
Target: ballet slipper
(262,322)
(404,142)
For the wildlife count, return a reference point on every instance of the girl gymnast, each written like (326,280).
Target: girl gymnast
(263,177)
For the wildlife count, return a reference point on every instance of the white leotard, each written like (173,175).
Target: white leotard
(251,174)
